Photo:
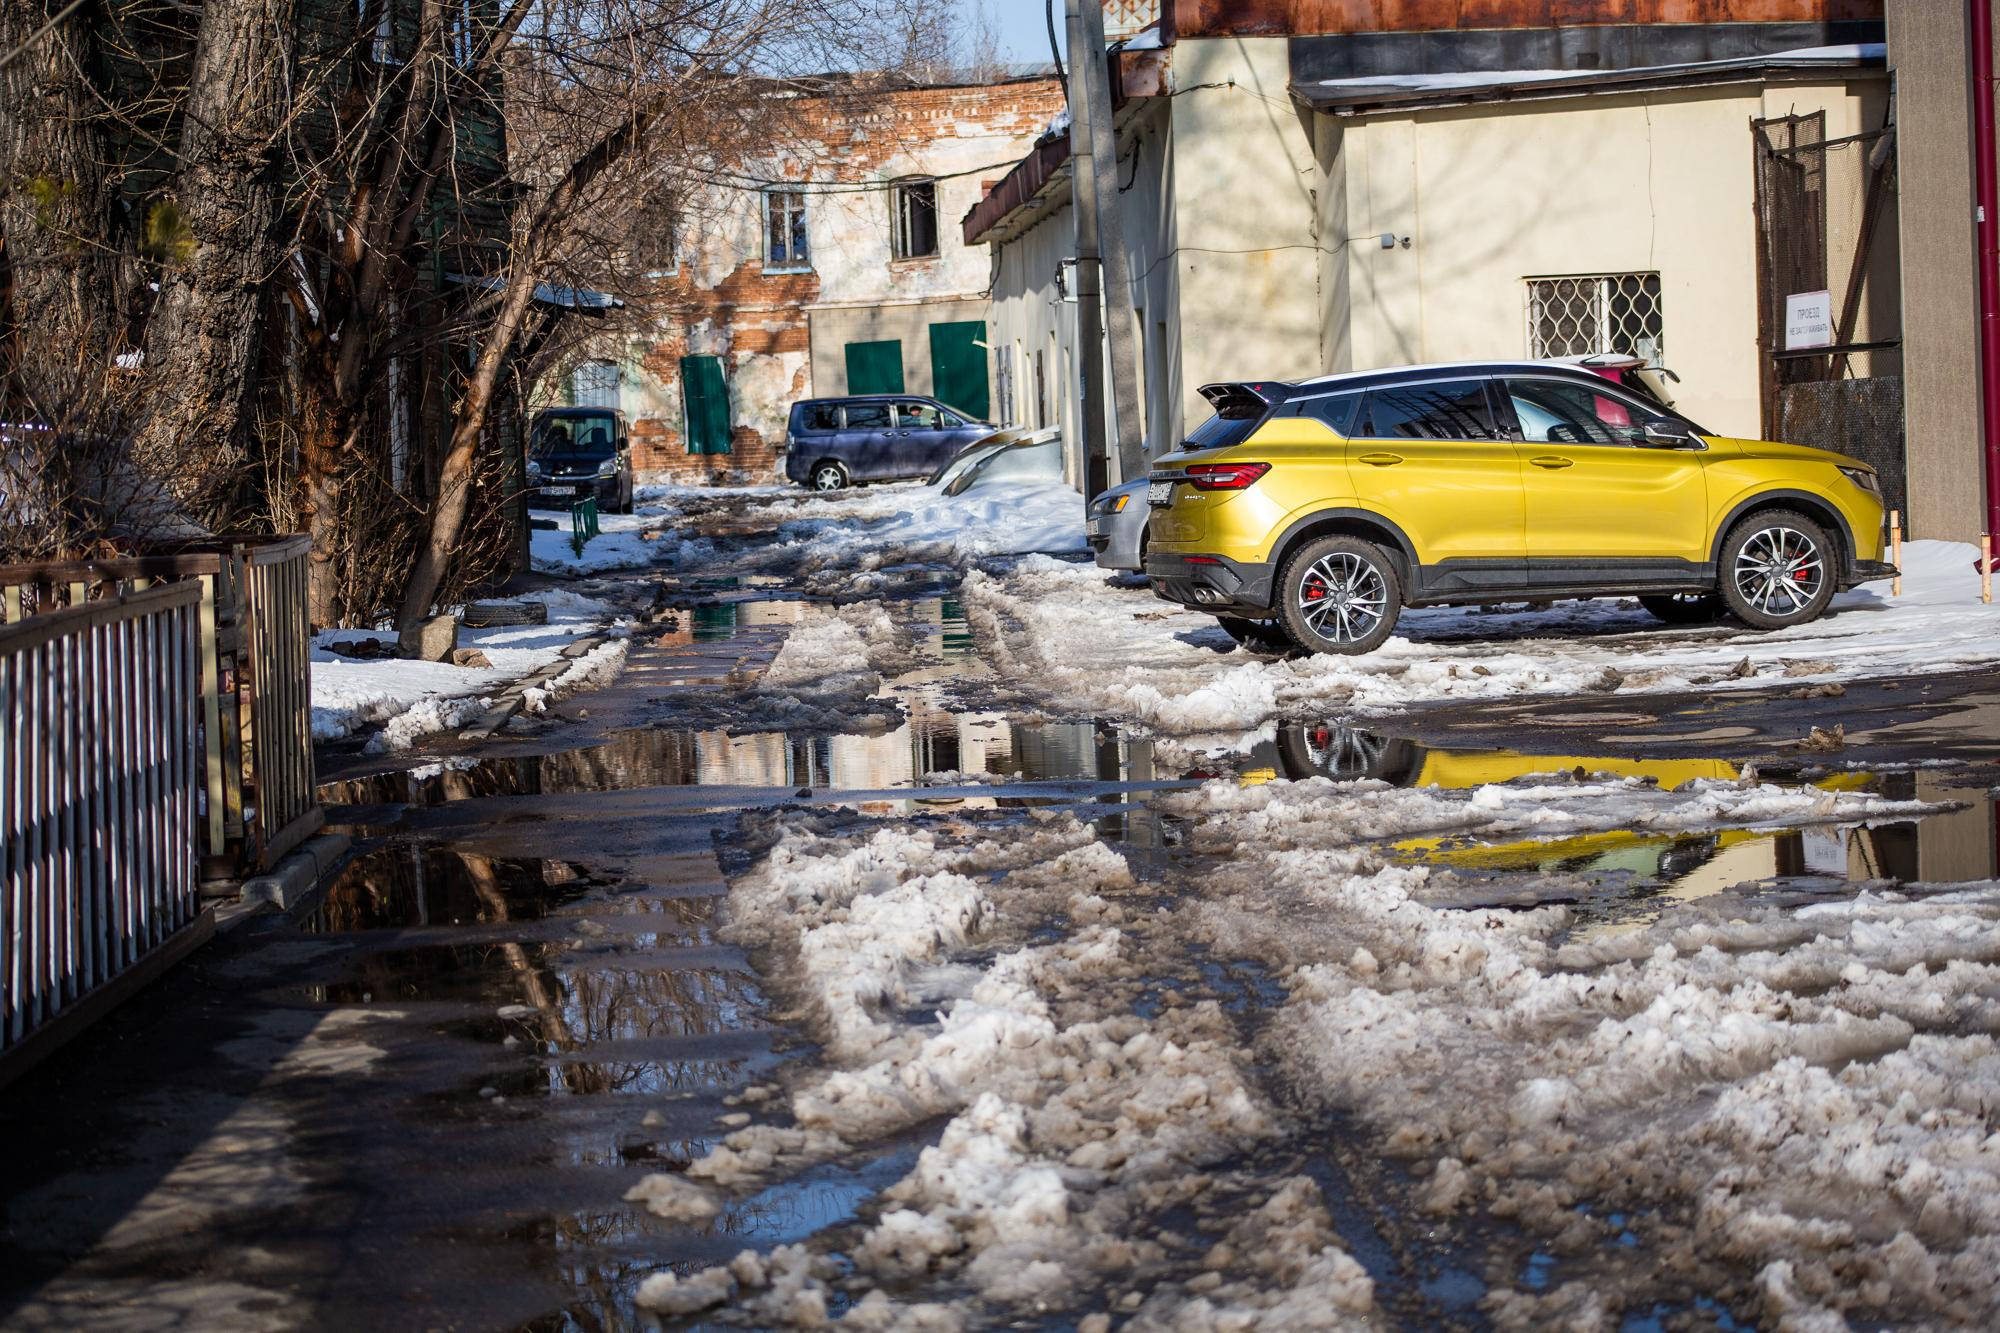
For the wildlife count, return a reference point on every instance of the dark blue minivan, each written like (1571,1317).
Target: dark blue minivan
(834,442)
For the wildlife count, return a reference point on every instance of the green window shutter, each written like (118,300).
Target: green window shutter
(707,399)
(875,367)
(958,367)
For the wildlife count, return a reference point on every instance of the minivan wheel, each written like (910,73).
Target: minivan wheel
(1339,595)
(1684,608)
(1777,569)
(828,476)
(1259,636)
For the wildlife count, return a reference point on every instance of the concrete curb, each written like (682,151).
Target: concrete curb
(293,878)
(512,698)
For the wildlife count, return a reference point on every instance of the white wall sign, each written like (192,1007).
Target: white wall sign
(1808,320)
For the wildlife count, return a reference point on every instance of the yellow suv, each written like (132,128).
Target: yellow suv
(1314,512)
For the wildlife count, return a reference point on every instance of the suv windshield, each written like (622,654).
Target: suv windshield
(593,436)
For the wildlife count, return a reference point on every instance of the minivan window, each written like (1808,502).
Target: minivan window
(918,416)
(1220,432)
(819,416)
(1558,412)
(1445,410)
(868,416)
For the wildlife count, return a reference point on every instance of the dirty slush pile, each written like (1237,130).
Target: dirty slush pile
(1783,1108)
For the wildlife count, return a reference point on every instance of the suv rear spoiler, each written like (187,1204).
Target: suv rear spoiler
(1246,400)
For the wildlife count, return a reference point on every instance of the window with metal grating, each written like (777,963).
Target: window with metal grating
(1595,313)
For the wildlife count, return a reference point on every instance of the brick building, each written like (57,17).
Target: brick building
(833,267)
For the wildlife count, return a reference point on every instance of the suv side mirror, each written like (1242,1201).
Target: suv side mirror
(1659,435)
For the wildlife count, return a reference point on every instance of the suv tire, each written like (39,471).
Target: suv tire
(1687,608)
(1339,595)
(1777,569)
(1259,636)
(827,475)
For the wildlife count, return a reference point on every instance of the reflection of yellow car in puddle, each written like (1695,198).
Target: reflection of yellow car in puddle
(1346,754)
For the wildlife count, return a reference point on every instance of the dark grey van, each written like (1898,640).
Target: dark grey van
(834,442)
(574,452)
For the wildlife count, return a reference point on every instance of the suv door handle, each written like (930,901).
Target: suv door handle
(1552,461)
(1381,460)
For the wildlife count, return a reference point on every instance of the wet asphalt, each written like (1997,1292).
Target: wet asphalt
(416,1101)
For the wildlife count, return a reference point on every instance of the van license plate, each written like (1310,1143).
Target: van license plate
(1160,493)
(553,491)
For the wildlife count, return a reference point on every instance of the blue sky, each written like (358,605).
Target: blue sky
(1023,32)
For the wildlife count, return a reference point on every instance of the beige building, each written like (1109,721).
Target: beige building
(1318,202)
(830,268)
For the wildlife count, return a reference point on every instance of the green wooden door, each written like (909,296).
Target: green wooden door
(707,400)
(958,367)
(875,367)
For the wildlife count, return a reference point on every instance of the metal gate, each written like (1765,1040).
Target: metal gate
(1826,220)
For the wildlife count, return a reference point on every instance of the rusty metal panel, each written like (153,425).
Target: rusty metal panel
(1276,18)
(1860,418)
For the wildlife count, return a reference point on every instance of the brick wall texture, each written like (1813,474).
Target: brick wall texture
(758,323)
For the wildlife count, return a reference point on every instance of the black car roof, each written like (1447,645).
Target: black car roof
(1369,379)
(869,398)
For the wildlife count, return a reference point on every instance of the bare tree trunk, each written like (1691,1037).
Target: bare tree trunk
(455,474)
(203,336)
(55,212)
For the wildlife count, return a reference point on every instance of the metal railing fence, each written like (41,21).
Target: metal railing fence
(100,773)
(255,706)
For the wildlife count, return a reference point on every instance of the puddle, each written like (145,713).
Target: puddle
(408,885)
(1640,874)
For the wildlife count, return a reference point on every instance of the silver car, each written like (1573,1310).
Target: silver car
(1115,526)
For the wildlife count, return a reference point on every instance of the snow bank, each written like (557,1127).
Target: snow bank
(1081,646)
(1071,1120)
(1802,1095)
(410,700)
(624,541)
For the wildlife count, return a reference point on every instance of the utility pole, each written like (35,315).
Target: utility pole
(1083,72)
(1115,267)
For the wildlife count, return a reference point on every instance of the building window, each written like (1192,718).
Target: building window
(1596,313)
(594,384)
(913,226)
(785,230)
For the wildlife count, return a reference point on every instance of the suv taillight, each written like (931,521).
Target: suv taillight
(1224,476)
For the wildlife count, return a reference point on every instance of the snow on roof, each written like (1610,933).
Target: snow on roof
(1395,87)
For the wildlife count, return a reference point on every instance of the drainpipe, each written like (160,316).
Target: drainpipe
(1987,212)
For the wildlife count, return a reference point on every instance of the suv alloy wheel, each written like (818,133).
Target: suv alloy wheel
(1777,570)
(1339,595)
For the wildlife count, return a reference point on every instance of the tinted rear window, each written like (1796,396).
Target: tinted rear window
(1446,410)
(819,416)
(868,416)
(1220,432)
(1336,410)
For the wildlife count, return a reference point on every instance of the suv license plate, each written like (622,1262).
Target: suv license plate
(553,491)
(1160,493)
(1093,527)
